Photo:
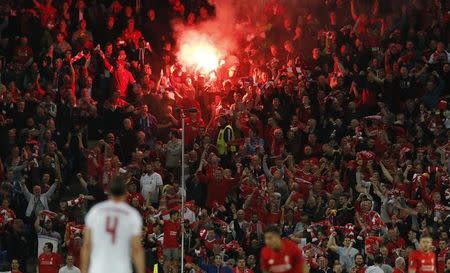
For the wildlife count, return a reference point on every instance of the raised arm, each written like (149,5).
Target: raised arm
(37,223)
(266,168)
(137,252)
(86,251)
(331,245)
(353,10)
(25,190)
(51,190)
(386,173)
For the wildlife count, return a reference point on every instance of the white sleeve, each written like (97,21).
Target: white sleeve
(159,180)
(89,220)
(136,228)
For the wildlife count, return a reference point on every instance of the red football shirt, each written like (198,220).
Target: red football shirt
(422,262)
(49,263)
(288,259)
(171,231)
(441,259)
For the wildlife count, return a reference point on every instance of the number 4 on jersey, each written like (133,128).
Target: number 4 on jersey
(111,227)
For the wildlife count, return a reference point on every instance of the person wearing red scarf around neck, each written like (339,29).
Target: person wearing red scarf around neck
(48,261)
(241,267)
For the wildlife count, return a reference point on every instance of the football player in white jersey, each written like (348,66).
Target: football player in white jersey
(112,236)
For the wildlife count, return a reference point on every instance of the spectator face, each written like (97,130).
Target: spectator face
(131,25)
(217,260)
(337,268)
(5,204)
(323,262)
(446,68)
(218,174)
(62,205)
(315,53)
(151,14)
(359,261)
(46,249)
(272,240)
(447,264)
(430,86)
(15,265)
(69,260)
(147,69)
(404,71)
(442,244)
(59,38)
(36,191)
(251,261)
(440,48)
(46,178)
(9,176)
(347,241)
(150,168)
(127,124)
(400,263)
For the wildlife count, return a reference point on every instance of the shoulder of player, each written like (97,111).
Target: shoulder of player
(290,244)
(133,211)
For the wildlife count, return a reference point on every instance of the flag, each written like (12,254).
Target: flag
(48,215)
(76,202)
(77,57)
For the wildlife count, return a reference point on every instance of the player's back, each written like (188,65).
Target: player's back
(112,226)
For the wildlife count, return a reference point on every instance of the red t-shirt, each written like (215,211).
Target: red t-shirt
(393,245)
(171,231)
(441,259)
(49,263)
(422,262)
(192,130)
(288,259)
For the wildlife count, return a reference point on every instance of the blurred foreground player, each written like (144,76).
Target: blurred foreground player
(280,255)
(423,260)
(113,235)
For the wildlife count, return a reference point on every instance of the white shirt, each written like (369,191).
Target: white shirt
(374,269)
(66,269)
(150,186)
(112,225)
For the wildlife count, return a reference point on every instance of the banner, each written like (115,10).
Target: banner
(42,239)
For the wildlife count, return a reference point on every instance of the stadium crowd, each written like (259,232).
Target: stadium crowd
(330,121)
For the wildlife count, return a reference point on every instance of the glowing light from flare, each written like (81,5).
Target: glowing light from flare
(197,51)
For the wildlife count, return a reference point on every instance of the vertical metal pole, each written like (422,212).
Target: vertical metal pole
(183,189)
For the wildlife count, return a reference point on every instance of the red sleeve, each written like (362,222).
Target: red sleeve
(131,78)
(263,260)
(412,262)
(202,178)
(298,259)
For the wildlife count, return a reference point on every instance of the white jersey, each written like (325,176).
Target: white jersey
(112,225)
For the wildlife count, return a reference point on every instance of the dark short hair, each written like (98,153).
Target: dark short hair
(49,246)
(272,229)
(378,259)
(426,237)
(117,187)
